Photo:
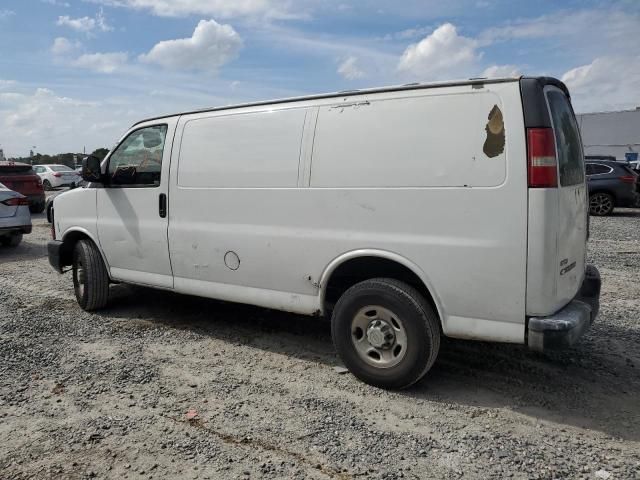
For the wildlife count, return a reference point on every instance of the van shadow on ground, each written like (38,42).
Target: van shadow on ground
(589,386)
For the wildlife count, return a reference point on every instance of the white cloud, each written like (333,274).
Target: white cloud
(85,24)
(211,46)
(496,71)
(58,123)
(101,22)
(32,108)
(6,83)
(408,34)
(101,62)
(571,29)
(350,70)
(6,13)
(442,54)
(216,8)
(44,116)
(607,83)
(57,3)
(62,46)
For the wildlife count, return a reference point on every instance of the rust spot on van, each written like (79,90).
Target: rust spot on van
(494,144)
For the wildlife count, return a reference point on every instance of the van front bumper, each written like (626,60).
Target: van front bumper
(54,248)
(566,326)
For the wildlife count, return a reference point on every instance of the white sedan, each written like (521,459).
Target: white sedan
(15,218)
(54,176)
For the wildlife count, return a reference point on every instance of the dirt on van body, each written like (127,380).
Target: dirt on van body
(160,385)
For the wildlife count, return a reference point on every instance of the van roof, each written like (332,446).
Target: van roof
(348,93)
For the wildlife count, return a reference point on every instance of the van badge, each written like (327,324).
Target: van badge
(568,268)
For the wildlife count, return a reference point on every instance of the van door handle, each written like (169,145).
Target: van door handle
(162,205)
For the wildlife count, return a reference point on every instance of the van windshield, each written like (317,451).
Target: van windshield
(568,140)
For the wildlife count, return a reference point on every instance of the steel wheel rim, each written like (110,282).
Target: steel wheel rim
(600,203)
(80,278)
(379,336)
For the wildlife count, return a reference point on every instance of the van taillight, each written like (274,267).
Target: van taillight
(543,165)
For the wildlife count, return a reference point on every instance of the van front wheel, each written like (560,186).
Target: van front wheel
(386,333)
(90,278)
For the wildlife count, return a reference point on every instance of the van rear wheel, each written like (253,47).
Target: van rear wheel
(90,278)
(386,333)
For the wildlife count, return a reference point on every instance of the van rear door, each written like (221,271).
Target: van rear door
(557,217)
(572,196)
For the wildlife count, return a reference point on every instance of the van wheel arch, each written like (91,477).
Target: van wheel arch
(354,268)
(69,242)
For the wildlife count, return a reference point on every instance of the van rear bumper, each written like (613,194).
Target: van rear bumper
(566,326)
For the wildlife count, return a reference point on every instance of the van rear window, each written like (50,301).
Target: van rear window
(568,143)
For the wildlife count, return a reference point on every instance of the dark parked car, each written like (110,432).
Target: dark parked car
(21,178)
(611,184)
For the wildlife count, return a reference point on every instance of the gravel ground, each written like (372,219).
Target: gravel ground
(167,386)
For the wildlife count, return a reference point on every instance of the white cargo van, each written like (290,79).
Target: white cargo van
(405,213)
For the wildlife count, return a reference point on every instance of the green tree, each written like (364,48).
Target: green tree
(100,153)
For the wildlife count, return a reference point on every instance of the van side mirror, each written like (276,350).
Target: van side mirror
(91,169)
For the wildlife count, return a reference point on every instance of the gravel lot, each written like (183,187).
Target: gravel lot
(167,386)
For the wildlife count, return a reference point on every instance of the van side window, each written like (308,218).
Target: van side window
(568,141)
(137,162)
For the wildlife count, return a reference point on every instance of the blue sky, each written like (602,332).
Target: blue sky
(77,73)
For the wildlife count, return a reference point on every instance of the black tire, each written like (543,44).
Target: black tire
(601,204)
(418,320)
(37,207)
(90,278)
(12,240)
(47,185)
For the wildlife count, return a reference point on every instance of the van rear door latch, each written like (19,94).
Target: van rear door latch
(162,205)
